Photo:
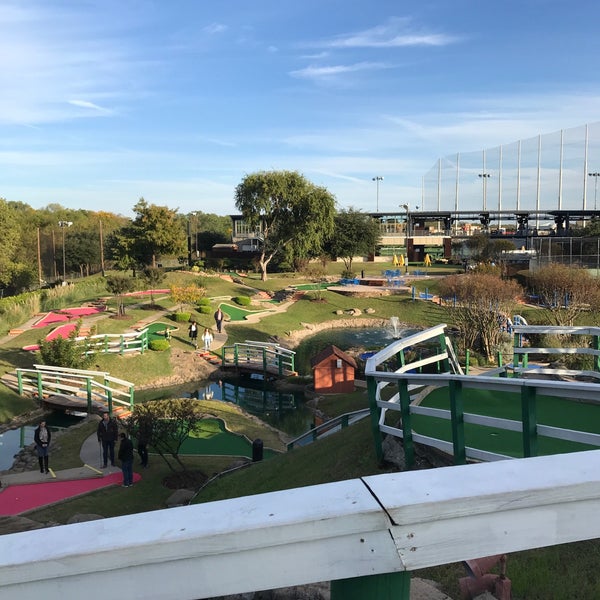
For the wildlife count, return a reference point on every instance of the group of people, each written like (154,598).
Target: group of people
(108,433)
(207,336)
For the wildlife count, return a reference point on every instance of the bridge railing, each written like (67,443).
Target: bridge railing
(47,380)
(262,355)
(331,426)
(116,343)
(364,535)
(391,391)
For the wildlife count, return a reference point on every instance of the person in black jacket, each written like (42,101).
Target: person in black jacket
(108,432)
(42,437)
(144,436)
(126,458)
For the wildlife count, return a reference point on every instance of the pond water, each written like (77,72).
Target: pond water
(346,338)
(285,411)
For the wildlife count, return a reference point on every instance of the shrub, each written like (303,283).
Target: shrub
(204,302)
(242,300)
(182,317)
(159,345)
(204,309)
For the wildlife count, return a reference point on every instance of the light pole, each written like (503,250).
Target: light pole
(63,225)
(406,208)
(485,177)
(595,175)
(377,180)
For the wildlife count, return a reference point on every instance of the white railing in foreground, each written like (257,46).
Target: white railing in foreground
(380,524)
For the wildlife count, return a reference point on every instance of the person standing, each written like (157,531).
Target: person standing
(42,437)
(219,319)
(193,332)
(108,432)
(207,338)
(126,458)
(144,435)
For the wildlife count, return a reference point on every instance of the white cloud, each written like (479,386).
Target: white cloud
(215,28)
(395,33)
(90,105)
(324,72)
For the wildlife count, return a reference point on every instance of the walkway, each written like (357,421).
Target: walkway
(22,492)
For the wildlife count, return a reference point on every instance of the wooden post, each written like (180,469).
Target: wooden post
(40,387)
(458,422)
(375,413)
(88,382)
(389,586)
(20,381)
(529,418)
(407,439)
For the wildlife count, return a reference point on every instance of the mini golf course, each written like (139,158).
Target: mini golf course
(238,314)
(157,330)
(210,437)
(16,499)
(67,314)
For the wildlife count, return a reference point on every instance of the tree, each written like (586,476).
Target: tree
(355,234)
(155,231)
(287,211)
(564,292)
(119,285)
(65,352)
(153,277)
(166,424)
(189,294)
(483,302)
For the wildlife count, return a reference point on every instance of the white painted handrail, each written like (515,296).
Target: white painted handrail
(379,524)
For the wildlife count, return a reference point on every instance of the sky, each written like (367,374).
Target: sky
(103,102)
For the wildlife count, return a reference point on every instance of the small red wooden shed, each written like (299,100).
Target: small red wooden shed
(333,371)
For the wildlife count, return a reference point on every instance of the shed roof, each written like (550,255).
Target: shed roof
(332,351)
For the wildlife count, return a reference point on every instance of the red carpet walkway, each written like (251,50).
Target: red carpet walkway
(16,499)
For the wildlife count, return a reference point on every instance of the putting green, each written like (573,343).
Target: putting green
(210,437)
(156,331)
(237,314)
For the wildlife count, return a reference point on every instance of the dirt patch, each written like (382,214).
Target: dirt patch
(187,365)
(189,480)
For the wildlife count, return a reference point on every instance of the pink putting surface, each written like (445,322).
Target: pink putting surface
(62,331)
(16,499)
(67,314)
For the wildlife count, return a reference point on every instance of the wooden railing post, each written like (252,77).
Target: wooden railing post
(458,422)
(375,413)
(40,387)
(529,418)
(407,437)
(389,586)
(89,395)
(20,381)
